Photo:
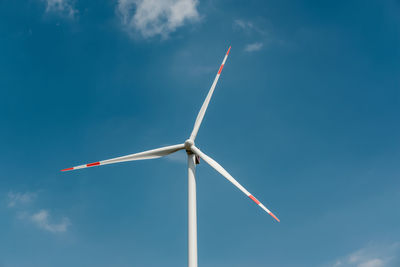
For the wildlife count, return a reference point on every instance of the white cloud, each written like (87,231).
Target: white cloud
(372,256)
(41,219)
(15,199)
(253,47)
(62,7)
(156,17)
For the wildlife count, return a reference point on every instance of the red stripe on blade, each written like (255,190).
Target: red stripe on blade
(254,199)
(220,69)
(273,215)
(92,164)
(227,53)
(67,169)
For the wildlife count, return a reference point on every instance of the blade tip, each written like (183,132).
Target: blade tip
(67,169)
(273,215)
(229,49)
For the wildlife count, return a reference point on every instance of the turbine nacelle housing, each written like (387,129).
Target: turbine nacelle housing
(189,143)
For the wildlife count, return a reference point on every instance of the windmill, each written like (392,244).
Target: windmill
(193,153)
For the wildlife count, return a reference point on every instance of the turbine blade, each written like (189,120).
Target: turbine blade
(149,154)
(203,109)
(224,173)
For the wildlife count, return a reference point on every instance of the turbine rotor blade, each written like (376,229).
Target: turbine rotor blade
(203,109)
(149,154)
(224,173)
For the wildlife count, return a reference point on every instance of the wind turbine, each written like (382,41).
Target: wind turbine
(194,153)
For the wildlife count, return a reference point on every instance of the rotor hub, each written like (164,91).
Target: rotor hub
(188,144)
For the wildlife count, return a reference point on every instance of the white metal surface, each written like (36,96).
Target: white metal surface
(192,210)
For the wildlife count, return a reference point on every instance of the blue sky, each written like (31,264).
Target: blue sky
(305,116)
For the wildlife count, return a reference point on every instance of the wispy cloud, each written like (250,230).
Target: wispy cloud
(42,220)
(61,7)
(253,31)
(250,27)
(243,25)
(179,157)
(152,18)
(253,47)
(16,198)
(371,256)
